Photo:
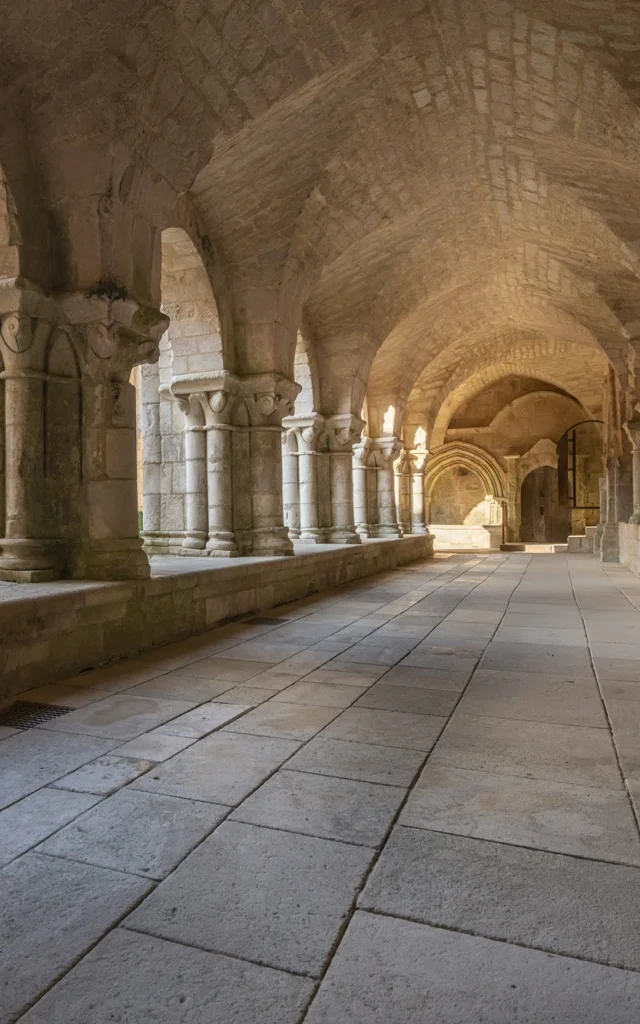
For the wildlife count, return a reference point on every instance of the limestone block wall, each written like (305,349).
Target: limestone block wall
(73,626)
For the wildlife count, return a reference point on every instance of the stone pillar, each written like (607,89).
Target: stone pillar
(310,440)
(151,459)
(113,335)
(418,517)
(290,486)
(195,456)
(513,498)
(632,428)
(29,551)
(597,540)
(610,547)
(342,432)
(403,490)
(388,450)
(268,398)
(221,541)
(361,454)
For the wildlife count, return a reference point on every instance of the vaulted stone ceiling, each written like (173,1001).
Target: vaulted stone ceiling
(438,191)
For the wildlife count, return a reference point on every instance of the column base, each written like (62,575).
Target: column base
(344,535)
(156,543)
(635,519)
(312,536)
(29,561)
(122,559)
(610,548)
(194,540)
(222,545)
(419,528)
(389,531)
(363,531)
(270,541)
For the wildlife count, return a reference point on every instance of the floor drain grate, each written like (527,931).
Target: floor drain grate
(25,714)
(264,620)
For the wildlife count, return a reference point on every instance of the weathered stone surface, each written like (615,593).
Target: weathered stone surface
(546,901)
(45,896)
(165,979)
(289,897)
(317,805)
(141,833)
(456,978)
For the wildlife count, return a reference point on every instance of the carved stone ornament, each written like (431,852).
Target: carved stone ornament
(103,339)
(308,435)
(266,404)
(17,332)
(218,401)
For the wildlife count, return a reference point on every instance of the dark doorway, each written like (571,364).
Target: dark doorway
(539,507)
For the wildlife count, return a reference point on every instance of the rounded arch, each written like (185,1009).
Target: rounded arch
(193,343)
(476,460)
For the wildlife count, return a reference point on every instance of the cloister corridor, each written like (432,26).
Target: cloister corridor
(407,800)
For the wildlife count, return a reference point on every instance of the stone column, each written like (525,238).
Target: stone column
(388,450)
(113,335)
(597,540)
(361,455)
(290,485)
(151,459)
(221,541)
(310,440)
(195,456)
(418,518)
(632,428)
(513,498)
(29,551)
(403,488)
(610,546)
(268,399)
(343,432)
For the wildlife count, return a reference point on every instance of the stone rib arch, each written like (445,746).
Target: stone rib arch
(476,460)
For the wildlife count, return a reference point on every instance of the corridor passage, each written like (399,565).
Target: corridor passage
(409,801)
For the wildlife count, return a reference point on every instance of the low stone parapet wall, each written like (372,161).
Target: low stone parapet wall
(49,631)
(630,546)
(466,538)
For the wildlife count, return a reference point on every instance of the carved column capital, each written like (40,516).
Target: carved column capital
(27,318)
(216,395)
(112,334)
(268,397)
(309,432)
(343,432)
(389,448)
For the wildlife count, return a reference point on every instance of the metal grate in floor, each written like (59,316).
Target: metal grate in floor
(25,714)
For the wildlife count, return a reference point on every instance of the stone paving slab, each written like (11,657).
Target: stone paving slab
(222,768)
(540,750)
(387,728)
(413,699)
(330,695)
(37,757)
(326,806)
(51,912)
(548,901)
(202,720)
(289,721)
(140,833)
(104,775)
(180,685)
(154,746)
(539,698)
(508,656)
(578,820)
(120,717)
(430,679)
(366,762)
(390,970)
(31,820)
(168,983)
(276,899)
(224,669)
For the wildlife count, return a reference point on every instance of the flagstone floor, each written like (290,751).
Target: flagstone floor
(410,801)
